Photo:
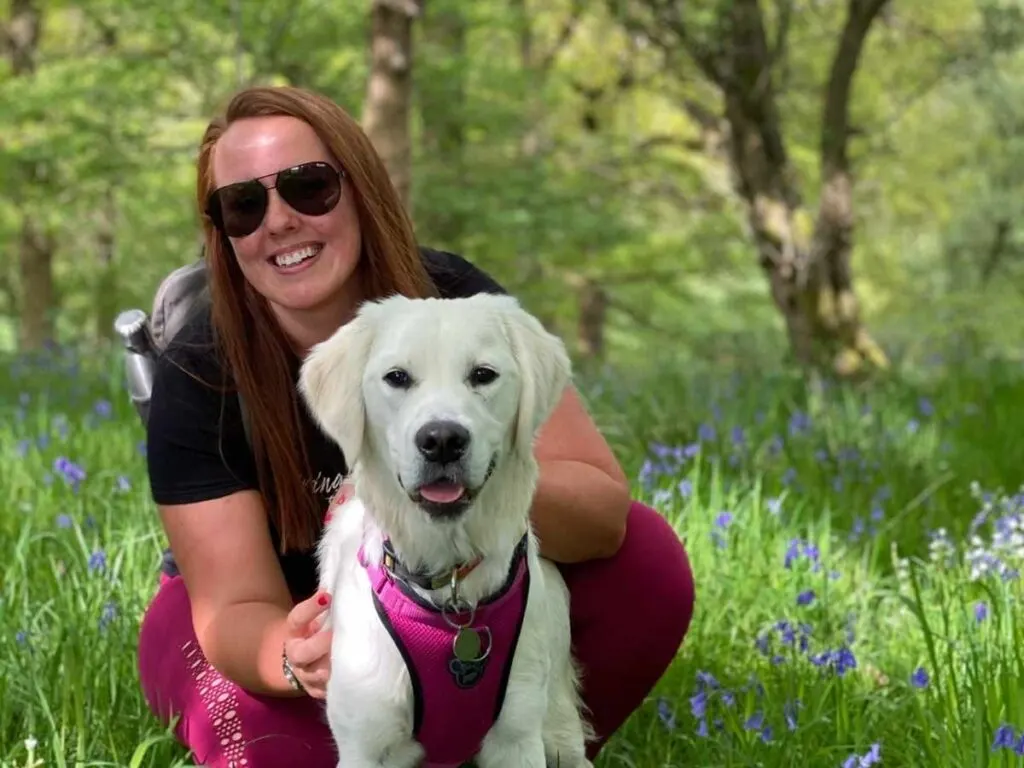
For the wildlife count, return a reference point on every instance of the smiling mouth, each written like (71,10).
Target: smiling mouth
(296,257)
(445,495)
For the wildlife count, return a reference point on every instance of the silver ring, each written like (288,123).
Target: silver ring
(448,606)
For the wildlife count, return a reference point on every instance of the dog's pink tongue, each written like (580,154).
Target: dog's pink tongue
(442,493)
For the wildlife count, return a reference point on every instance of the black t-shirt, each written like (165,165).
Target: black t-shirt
(196,444)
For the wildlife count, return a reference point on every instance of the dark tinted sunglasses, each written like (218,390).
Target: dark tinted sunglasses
(312,189)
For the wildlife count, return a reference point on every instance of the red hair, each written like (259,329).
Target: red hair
(257,356)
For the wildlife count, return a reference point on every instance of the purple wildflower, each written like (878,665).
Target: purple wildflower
(919,679)
(666,715)
(98,561)
(1004,737)
(72,473)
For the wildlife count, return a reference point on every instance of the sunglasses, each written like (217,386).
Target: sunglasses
(312,189)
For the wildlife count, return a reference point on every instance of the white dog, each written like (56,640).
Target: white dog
(451,635)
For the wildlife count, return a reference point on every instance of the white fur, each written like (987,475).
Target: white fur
(369,695)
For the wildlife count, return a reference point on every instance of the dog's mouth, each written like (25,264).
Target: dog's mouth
(444,493)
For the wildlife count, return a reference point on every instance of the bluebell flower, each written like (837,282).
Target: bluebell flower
(1004,737)
(108,614)
(789,710)
(707,679)
(72,473)
(919,678)
(666,715)
(799,423)
(699,704)
(980,611)
(97,560)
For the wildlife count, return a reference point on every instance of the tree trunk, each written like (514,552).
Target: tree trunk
(593,303)
(106,281)
(838,309)
(36,326)
(389,88)
(806,259)
(763,177)
(20,39)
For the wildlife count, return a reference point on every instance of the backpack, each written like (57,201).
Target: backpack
(146,336)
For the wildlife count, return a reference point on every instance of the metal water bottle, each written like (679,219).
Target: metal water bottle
(132,325)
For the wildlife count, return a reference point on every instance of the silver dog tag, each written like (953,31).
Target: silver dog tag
(467,644)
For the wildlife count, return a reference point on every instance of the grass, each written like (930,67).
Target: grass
(833,623)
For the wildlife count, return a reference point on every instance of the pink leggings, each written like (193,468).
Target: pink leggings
(629,615)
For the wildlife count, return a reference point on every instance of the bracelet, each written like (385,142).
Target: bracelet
(289,673)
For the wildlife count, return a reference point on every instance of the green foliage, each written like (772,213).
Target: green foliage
(548,146)
(872,496)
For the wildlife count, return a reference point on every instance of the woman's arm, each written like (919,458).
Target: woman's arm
(583,497)
(240,599)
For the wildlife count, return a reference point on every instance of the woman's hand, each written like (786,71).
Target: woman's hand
(307,646)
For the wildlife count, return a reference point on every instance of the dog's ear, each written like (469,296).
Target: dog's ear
(544,369)
(331,383)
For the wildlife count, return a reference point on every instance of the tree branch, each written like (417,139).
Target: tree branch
(836,118)
(996,250)
(565,34)
(667,30)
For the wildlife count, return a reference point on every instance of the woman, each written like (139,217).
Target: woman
(301,225)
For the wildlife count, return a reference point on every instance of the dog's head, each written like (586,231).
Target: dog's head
(436,392)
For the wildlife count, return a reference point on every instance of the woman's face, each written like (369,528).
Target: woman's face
(303,264)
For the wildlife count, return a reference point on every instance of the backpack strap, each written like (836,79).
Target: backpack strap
(177,296)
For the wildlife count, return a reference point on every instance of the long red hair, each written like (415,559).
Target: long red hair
(257,356)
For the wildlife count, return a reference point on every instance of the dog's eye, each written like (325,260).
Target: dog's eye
(482,375)
(398,378)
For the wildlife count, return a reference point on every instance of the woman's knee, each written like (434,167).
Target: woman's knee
(649,580)
(221,724)
(656,570)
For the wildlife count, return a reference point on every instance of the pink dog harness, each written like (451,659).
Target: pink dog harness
(458,687)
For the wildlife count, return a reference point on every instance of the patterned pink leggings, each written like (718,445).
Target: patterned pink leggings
(648,581)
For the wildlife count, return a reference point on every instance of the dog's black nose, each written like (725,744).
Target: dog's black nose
(442,441)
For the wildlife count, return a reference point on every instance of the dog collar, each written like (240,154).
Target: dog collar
(400,571)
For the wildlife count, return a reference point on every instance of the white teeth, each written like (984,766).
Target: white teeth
(292,258)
